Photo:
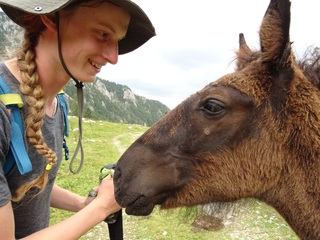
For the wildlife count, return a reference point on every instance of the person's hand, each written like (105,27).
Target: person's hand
(106,197)
(91,196)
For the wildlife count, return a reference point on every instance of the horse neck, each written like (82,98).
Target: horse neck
(297,199)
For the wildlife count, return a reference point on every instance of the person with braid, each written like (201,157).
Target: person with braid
(63,40)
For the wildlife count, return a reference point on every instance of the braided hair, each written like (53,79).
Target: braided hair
(34,100)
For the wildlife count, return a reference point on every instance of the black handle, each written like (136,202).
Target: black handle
(116,228)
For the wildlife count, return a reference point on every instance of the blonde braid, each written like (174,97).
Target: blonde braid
(35,101)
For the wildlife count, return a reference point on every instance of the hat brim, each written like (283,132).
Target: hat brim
(140,28)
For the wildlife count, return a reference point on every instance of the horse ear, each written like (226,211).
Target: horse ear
(244,55)
(276,51)
(274,34)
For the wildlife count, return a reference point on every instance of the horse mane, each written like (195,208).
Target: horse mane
(309,63)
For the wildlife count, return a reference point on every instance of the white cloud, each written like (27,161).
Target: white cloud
(195,44)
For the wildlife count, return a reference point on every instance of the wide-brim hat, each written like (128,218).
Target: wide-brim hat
(140,28)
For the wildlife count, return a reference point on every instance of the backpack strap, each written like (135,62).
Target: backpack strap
(17,151)
(63,104)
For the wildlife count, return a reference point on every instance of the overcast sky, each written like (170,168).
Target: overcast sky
(195,44)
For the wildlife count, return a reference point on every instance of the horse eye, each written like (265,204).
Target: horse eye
(213,107)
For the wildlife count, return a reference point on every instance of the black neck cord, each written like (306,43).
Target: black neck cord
(79,86)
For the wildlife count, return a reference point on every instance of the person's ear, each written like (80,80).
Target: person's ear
(49,22)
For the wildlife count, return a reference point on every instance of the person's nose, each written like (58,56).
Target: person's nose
(111,53)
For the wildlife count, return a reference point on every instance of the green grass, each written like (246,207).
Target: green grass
(104,143)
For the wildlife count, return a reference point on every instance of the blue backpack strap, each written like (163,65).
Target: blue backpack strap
(63,104)
(17,152)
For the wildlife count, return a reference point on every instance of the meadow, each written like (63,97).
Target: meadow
(104,142)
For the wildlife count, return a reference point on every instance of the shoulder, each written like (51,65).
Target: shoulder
(4,115)
(5,123)
(4,118)
(5,133)
(9,78)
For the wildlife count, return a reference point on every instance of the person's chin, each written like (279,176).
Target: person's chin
(88,79)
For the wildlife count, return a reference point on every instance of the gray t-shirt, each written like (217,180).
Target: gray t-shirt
(31,213)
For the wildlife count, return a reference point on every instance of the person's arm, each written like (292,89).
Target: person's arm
(78,224)
(71,228)
(66,200)
(6,222)
(75,226)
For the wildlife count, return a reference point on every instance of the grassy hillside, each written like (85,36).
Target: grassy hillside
(104,142)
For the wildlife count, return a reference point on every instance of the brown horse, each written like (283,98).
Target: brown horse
(252,133)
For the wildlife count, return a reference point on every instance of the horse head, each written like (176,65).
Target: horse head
(250,133)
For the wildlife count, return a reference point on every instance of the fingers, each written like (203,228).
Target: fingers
(106,185)
(92,193)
